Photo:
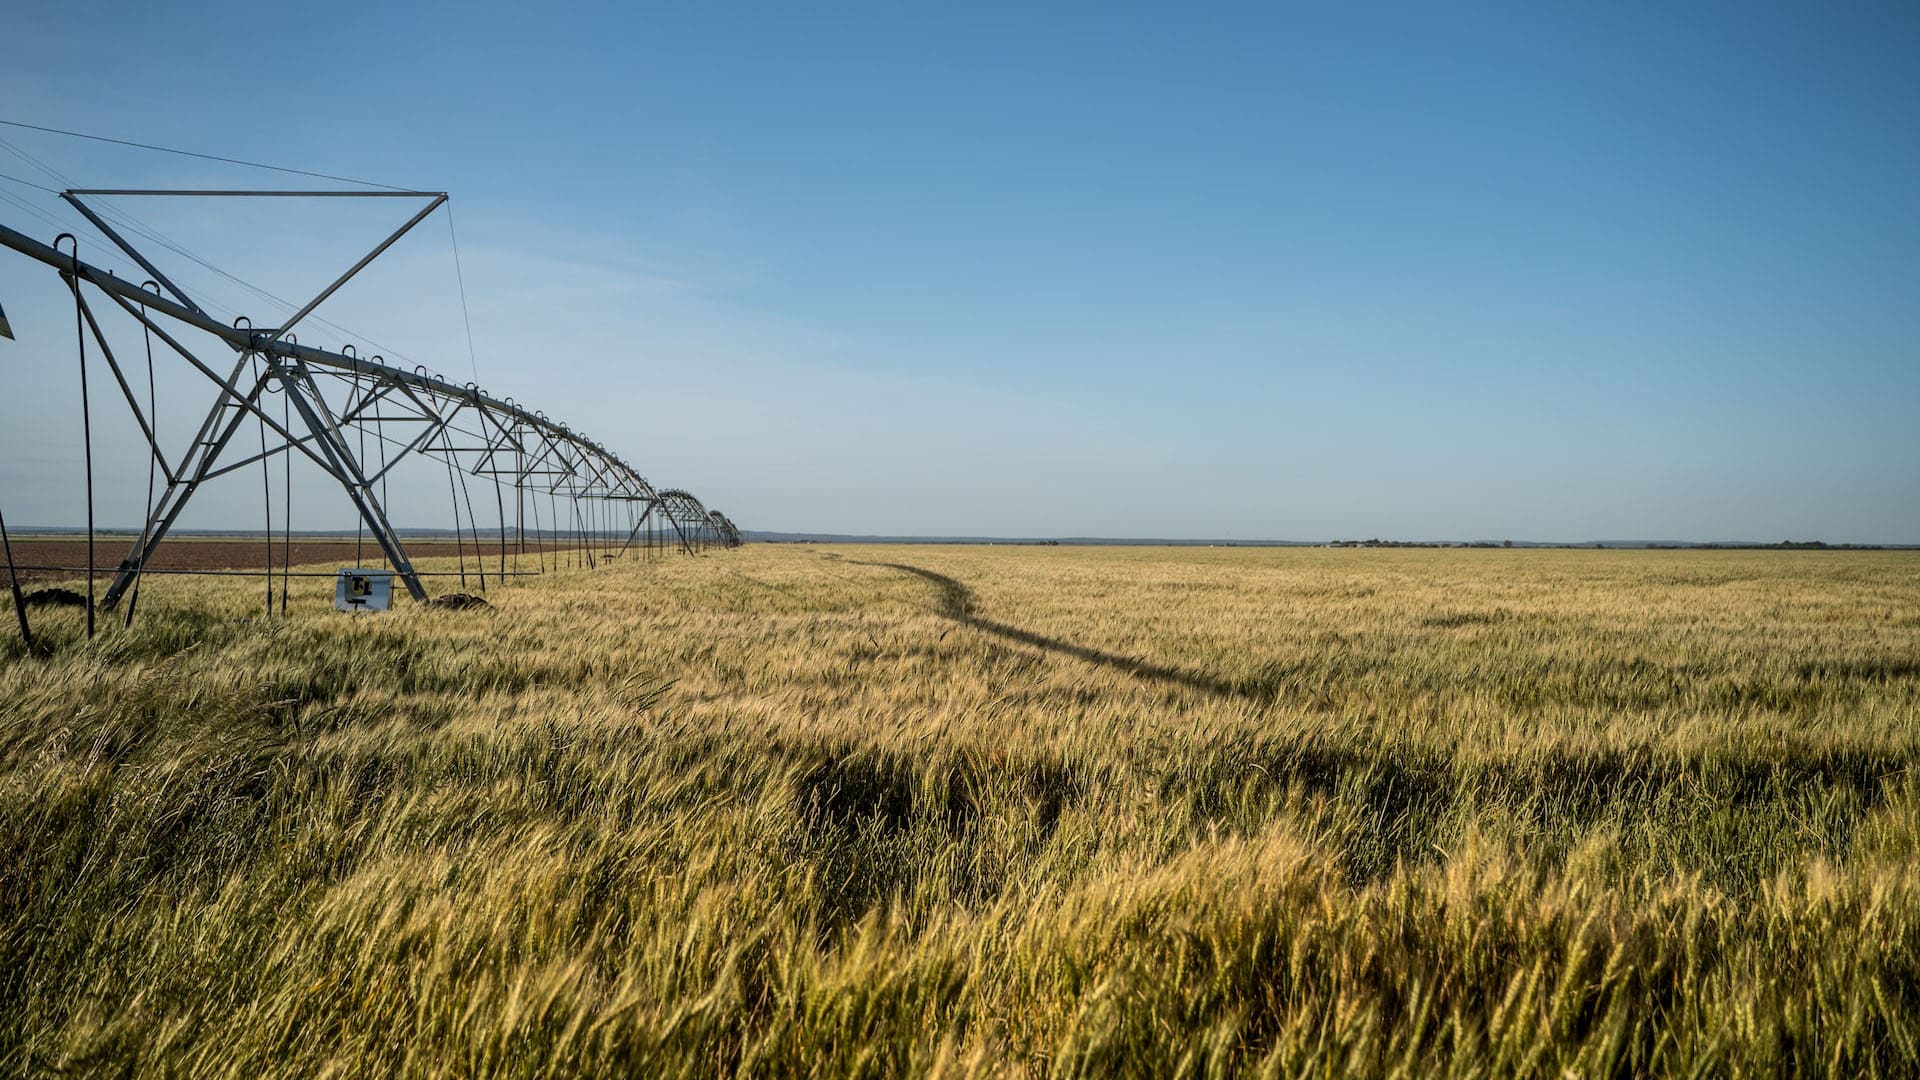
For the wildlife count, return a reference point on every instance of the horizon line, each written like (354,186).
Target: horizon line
(778,536)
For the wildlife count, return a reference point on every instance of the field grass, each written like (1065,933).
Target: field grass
(891,811)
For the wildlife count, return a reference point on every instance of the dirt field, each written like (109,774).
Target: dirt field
(235,554)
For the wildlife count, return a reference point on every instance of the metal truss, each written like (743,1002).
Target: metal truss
(358,419)
(699,527)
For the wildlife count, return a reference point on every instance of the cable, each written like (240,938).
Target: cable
(462,279)
(146,529)
(125,219)
(133,224)
(133,271)
(29,183)
(121,217)
(61,178)
(204,157)
(31,209)
(38,164)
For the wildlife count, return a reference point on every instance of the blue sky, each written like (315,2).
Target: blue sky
(1434,271)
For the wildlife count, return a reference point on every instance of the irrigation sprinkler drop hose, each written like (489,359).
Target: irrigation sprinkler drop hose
(380,438)
(86,413)
(453,496)
(13,579)
(153,457)
(473,523)
(286,494)
(266,475)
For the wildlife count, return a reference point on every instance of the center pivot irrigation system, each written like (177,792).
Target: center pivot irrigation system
(354,417)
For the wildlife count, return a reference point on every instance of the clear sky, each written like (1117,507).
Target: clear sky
(1277,271)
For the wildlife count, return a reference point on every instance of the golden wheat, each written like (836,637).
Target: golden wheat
(887,811)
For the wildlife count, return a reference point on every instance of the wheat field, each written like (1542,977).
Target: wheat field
(892,811)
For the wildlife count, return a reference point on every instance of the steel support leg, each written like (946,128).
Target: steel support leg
(179,491)
(636,530)
(346,470)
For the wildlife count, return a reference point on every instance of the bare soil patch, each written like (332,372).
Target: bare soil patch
(191,553)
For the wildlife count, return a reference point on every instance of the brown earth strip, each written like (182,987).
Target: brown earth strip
(223,554)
